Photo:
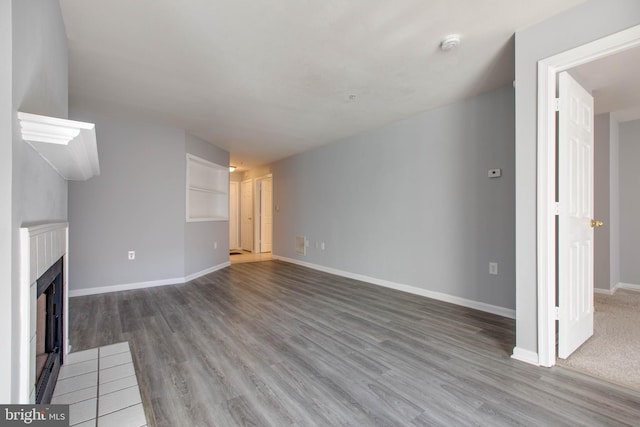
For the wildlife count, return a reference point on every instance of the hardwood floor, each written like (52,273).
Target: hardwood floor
(275,344)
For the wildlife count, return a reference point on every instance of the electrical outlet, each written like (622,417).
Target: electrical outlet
(493,268)
(215,245)
(131,255)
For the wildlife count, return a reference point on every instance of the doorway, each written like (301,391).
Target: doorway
(246,215)
(264,204)
(548,71)
(614,82)
(256,220)
(234,216)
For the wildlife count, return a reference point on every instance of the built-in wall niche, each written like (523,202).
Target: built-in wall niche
(207,190)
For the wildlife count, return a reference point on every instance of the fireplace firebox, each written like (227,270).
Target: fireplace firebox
(49,331)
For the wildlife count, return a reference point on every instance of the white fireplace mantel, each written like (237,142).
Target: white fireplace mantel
(40,247)
(69,146)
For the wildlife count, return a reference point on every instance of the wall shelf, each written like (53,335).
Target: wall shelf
(207,190)
(69,146)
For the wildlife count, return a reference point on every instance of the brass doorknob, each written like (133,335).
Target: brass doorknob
(595,223)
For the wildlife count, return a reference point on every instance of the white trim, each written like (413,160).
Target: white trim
(493,309)
(65,280)
(143,285)
(628,287)
(546,173)
(526,356)
(206,271)
(69,146)
(612,291)
(25,387)
(257,210)
(605,291)
(40,247)
(546,211)
(123,287)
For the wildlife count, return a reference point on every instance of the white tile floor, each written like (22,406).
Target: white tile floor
(101,388)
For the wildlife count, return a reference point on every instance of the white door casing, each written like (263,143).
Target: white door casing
(548,70)
(246,215)
(234,210)
(266,216)
(575,234)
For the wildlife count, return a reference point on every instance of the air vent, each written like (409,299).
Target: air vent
(301,245)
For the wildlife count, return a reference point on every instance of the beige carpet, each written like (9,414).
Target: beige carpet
(613,352)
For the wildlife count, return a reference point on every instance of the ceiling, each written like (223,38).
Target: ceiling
(266,79)
(614,82)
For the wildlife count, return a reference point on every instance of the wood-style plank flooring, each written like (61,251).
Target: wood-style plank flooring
(275,344)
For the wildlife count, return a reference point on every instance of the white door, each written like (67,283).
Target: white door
(575,232)
(266,221)
(246,215)
(234,208)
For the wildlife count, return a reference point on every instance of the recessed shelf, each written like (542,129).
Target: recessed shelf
(69,146)
(207,190)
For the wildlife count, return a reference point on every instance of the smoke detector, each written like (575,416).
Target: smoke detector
(450,42)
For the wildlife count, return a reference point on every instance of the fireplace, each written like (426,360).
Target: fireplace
(43,328)
(49,331)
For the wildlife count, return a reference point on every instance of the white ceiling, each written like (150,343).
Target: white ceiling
(265,79)
(614,82)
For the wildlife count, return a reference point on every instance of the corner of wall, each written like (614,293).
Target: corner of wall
(524,355)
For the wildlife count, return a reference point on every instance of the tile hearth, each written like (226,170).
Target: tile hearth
(101,388)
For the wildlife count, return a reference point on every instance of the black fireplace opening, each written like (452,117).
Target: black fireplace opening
(49,328)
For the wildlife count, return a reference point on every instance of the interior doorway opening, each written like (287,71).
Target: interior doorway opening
(253,220)
(548,71)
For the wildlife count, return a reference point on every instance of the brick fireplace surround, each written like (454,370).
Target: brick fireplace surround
(40,247)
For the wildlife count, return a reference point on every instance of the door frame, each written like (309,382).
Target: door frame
(257,214)
(237,218)
(268,178)
(546,172)
(252,186)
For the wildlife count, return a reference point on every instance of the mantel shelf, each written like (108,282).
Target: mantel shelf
(70,147)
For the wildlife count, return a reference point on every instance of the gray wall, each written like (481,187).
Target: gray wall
(136,203)
(601,184)
(38,85)
(411,202)
(199,237)
(614,200)
(6,226)
(607,202)
(630,202)
(591,20)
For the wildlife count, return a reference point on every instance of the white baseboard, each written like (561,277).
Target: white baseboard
(628,287)
(142,285)
(500,311)
(526,356)
(206,271)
